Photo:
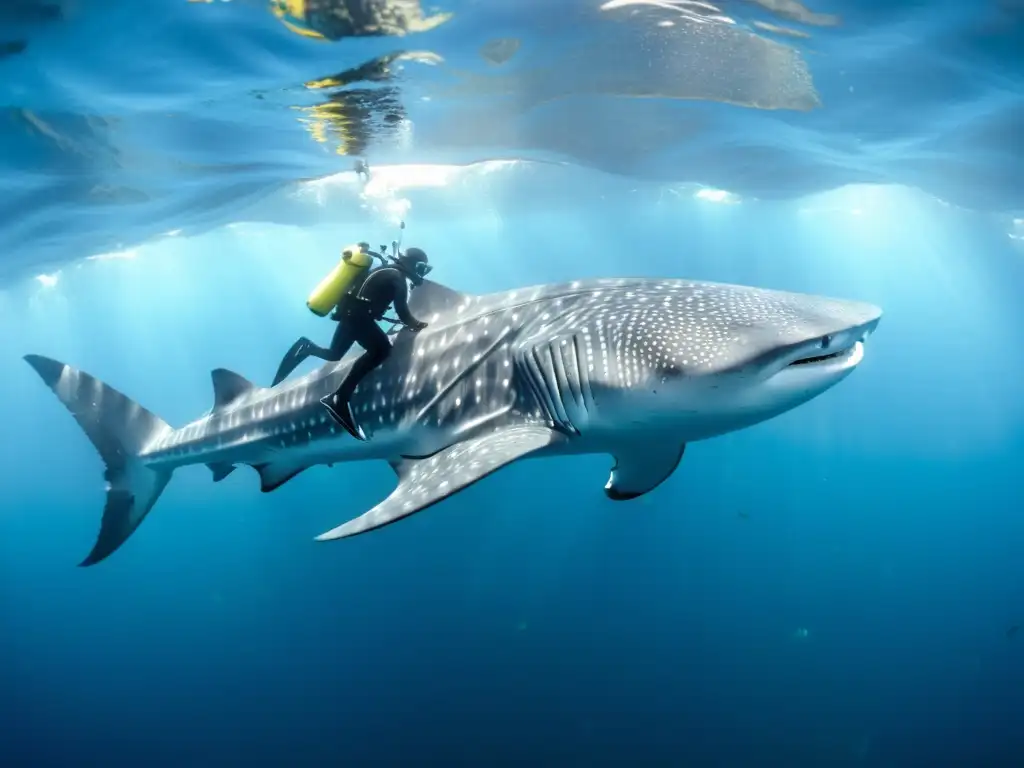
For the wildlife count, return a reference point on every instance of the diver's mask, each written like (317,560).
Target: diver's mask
(421,269)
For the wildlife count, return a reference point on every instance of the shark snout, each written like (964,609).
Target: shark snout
(849,322)
(869,327)
(862,318)
(832,336)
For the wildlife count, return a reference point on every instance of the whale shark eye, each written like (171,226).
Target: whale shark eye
(826,342)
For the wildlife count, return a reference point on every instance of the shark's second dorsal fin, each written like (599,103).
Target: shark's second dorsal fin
(431,297)
(228,386)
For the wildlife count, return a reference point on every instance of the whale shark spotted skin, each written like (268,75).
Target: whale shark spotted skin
(634,368)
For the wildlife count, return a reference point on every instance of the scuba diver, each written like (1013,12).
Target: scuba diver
(362,170)
(360,298)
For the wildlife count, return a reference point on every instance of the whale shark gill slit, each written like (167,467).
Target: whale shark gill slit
(579,380)
(557,375)
(529,367)
(545,362)
(568,364)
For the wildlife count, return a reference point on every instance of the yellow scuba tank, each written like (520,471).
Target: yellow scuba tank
(325,297)
(292,13)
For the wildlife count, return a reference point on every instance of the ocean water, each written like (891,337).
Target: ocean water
(838,586)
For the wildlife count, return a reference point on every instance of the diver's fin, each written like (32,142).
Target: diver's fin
(293,358)
(273,474)
(228,386)
(220,470)
(640,469)
(119,428)
(424,482)
(430,297)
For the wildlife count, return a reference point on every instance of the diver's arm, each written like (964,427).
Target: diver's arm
(401,289)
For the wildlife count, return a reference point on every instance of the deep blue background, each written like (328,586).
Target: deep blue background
(529,620)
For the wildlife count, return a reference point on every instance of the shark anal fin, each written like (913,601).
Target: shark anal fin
(228,386)
(220,470)
(641,469)
(273,476)
(424,482)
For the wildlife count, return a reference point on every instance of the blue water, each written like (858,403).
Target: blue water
(129,118)
(834,587)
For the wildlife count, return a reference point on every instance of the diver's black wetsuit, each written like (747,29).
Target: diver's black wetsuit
(305,348)
(358,315)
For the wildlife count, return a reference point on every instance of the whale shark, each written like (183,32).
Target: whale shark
(633,368)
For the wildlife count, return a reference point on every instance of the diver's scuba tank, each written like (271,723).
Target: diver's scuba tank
(337,19)
(292,13)
(355,261)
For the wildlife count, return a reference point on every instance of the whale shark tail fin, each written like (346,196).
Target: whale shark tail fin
(120,429)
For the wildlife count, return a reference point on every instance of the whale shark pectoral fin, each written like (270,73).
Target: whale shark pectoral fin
(641,469)
(228,386)
(424,482)
(273,475)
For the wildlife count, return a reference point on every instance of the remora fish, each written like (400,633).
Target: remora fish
(635,368)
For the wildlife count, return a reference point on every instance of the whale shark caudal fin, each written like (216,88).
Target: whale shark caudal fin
(424,482)
(119,428)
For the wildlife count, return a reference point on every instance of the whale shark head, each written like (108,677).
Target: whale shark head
(714,358)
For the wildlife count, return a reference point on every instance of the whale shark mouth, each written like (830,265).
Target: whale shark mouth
(818,358)
(836,354)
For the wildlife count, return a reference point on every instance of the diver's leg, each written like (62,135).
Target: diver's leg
(342,341)
(304,348)
(377,347)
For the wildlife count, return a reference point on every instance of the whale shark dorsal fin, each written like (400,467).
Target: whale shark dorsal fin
(431,297)
(228,386)
(424,482)
(640,469)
